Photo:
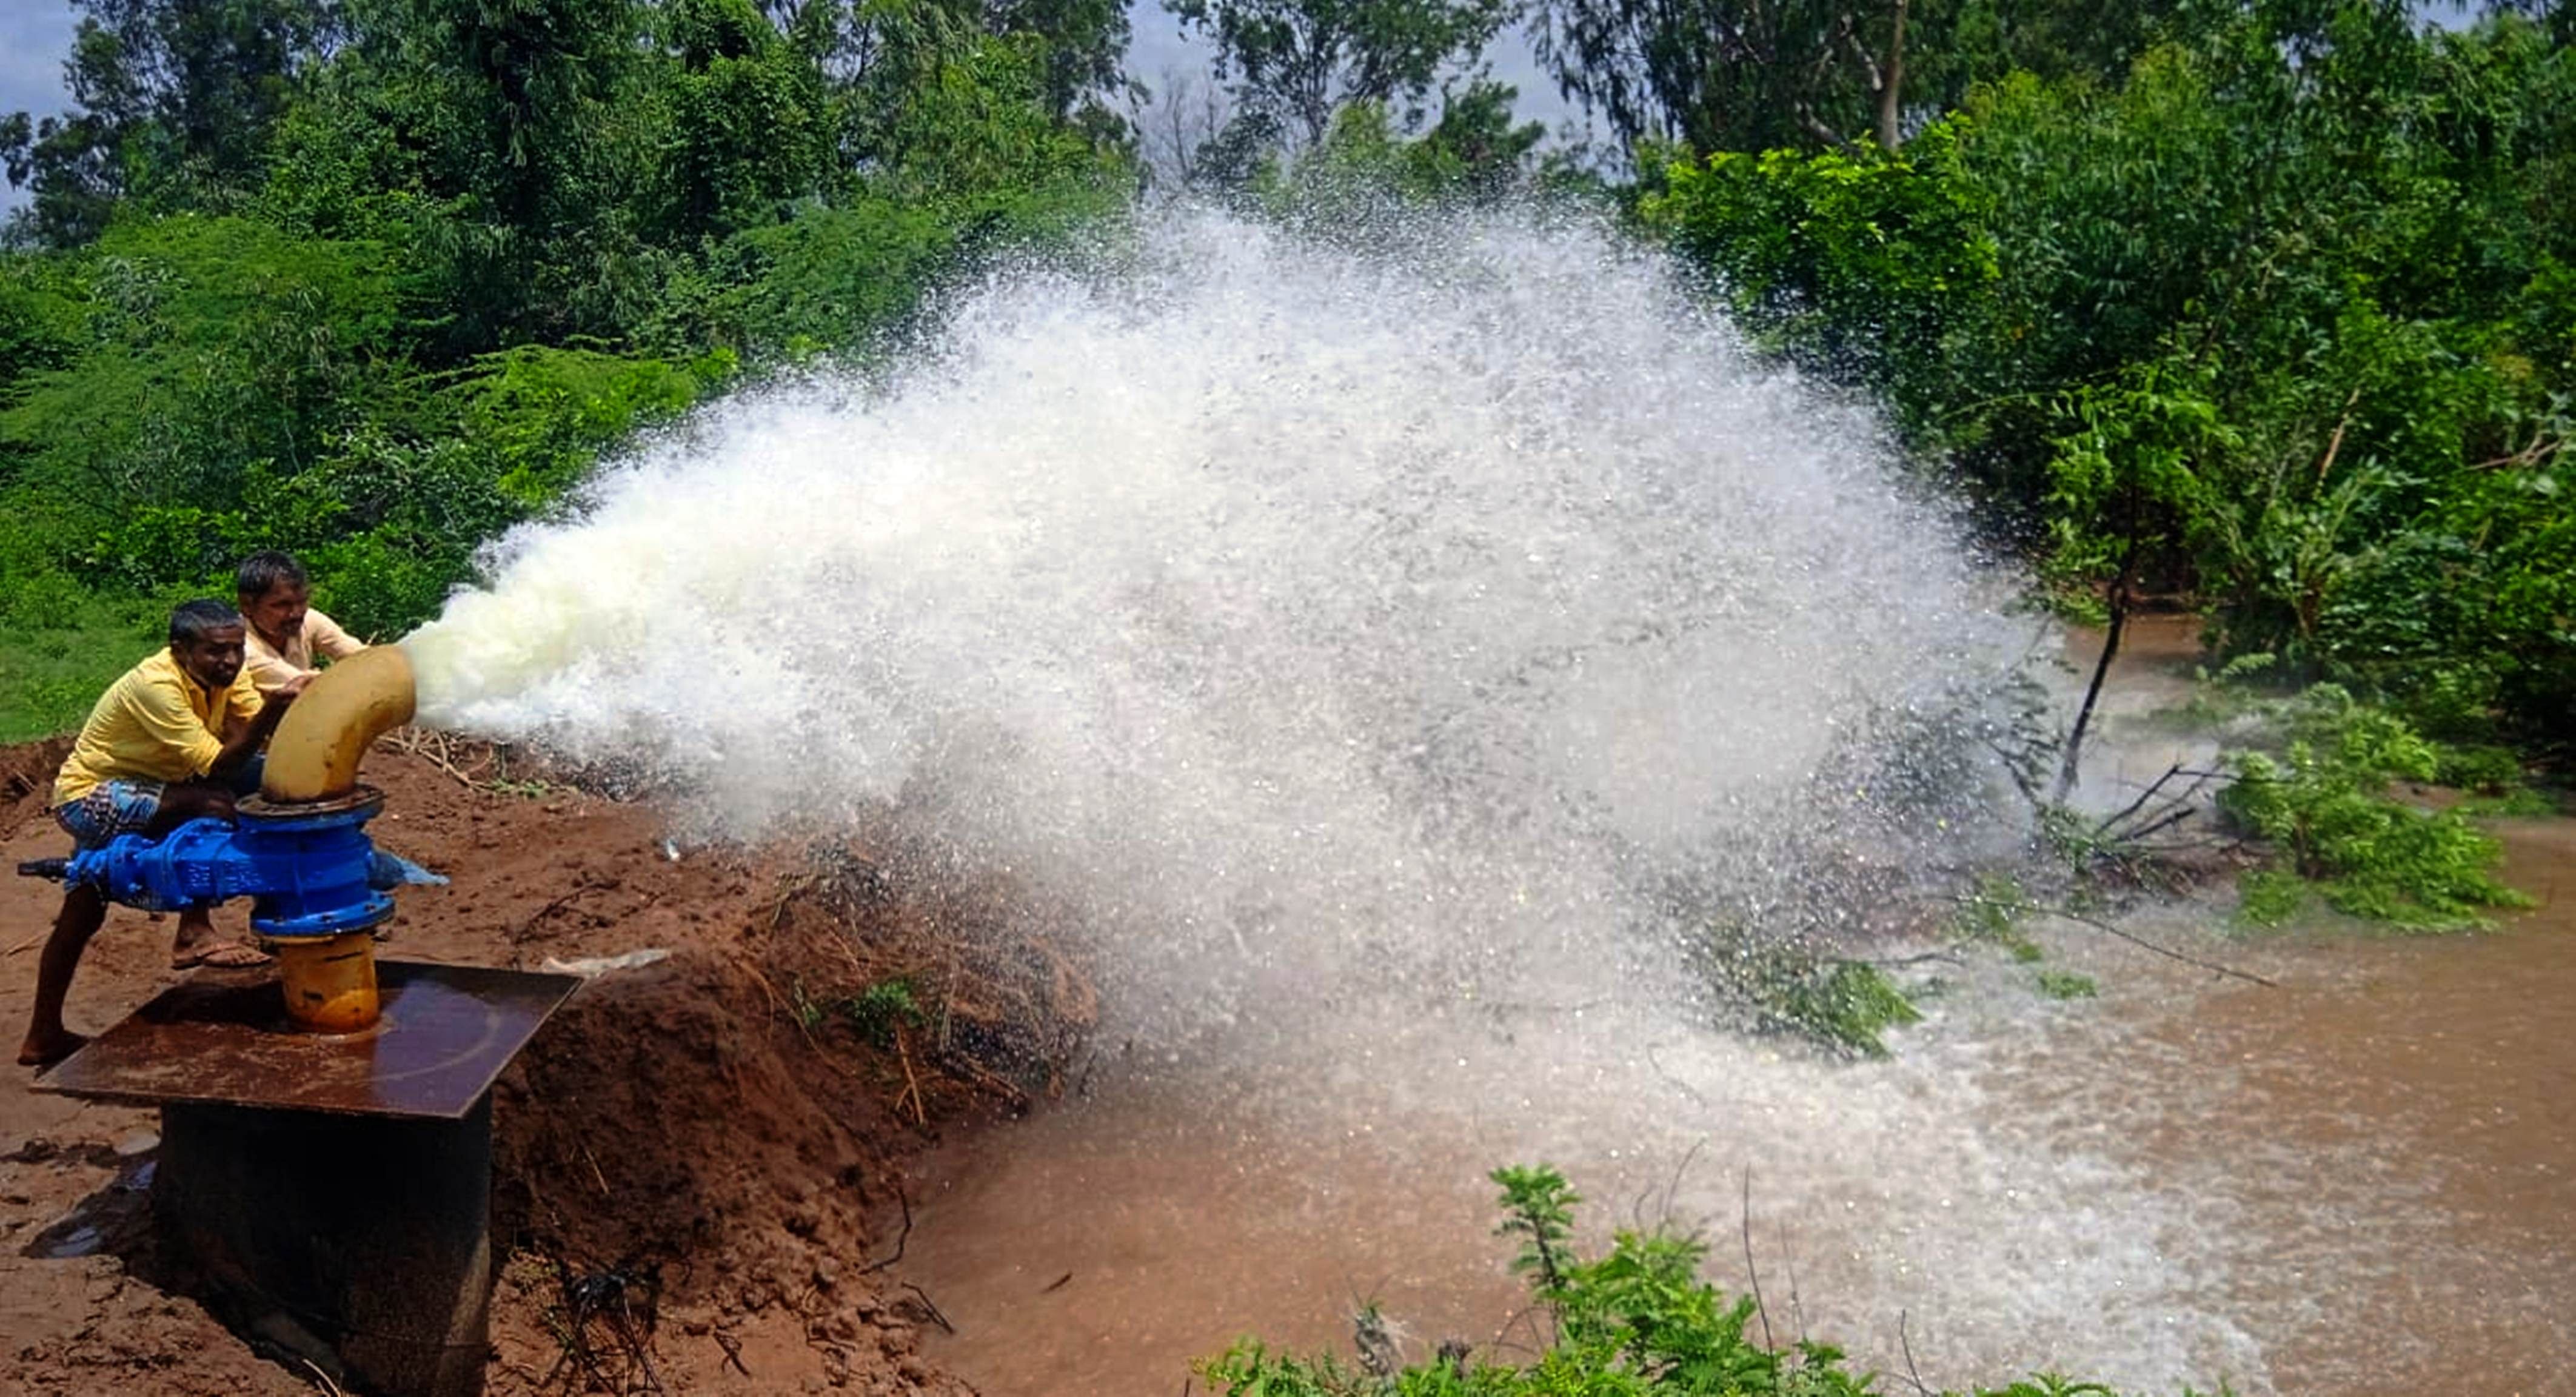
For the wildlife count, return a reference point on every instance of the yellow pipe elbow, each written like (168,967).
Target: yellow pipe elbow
(314,753)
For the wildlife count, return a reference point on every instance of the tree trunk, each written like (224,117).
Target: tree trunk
(1891,87)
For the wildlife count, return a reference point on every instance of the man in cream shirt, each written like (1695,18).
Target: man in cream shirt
(286,634)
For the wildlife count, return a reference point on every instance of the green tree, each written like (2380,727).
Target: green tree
(2282,319)
(1730,74)
(752,126)
(1086,41)
(1751,75)
(174,102)
(1297,62)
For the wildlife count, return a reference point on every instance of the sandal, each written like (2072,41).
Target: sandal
(228,955)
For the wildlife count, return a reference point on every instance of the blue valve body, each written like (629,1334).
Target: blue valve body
(307,874)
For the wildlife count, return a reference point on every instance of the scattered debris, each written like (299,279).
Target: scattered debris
(592,967)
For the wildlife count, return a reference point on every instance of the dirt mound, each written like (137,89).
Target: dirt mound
(27,779)
(696,1163)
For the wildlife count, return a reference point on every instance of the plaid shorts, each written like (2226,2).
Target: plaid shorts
(110,809)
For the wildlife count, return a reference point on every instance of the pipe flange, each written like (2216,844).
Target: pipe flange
(366,799)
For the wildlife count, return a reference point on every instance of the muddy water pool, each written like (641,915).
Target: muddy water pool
(2357,1179)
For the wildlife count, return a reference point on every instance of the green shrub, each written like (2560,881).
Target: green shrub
(1789,986)
(1636,1321)
(2324,804)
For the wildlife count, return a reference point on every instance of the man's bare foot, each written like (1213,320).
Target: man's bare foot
(45,1052)
(219,955)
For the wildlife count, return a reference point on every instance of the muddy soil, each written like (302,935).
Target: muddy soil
(718,1128)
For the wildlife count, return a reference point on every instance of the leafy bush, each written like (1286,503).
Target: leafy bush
(2283,319)
(2324,802)
(1860,266)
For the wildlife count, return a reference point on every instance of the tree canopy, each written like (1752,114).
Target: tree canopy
(2268,304)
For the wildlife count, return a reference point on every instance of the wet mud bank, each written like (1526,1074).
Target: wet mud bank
(695,1164)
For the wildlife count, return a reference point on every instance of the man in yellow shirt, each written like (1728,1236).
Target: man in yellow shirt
(286,633)
(176,739)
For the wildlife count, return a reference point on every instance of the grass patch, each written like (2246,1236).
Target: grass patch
(51,675)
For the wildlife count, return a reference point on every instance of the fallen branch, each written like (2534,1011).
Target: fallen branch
(438,748)
(975,1073)
(2129,936)
(528,927)
(2167,821)
(2133,807)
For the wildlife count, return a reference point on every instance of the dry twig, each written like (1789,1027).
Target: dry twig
(905,1200)
(911,1083)
(1907,1345)
(2122,933)
(321,1379)
(1752,1275)
(931,1309)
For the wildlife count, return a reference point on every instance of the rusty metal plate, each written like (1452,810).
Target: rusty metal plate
(447,1031)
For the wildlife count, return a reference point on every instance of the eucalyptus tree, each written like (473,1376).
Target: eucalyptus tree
(1294,63)
(1764,74)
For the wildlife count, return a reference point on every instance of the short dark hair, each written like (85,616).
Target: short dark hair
(190,622)
(265,571)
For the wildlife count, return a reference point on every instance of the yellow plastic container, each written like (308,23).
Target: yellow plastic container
(330,981)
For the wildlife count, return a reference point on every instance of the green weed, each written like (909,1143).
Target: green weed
(1636,1321)
(877,1011)
(2066,984)
(1792,987)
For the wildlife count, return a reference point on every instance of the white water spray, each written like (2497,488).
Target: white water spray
(1299,614)
(1367,648)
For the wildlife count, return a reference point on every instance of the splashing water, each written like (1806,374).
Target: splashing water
(1367,648)
(1304,616)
